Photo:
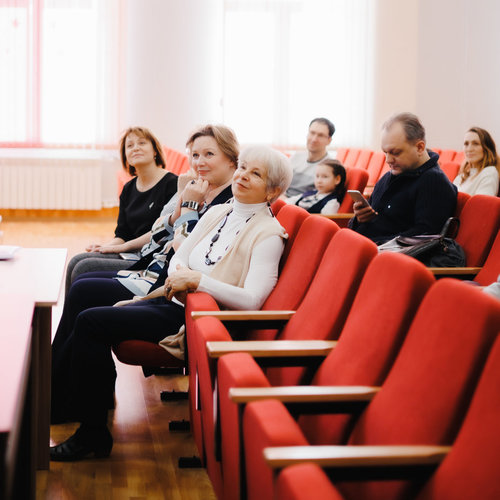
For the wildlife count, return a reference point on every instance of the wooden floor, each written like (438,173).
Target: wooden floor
(143,463)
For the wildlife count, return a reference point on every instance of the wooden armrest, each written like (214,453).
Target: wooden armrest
(355,456)
(245,315)
(272,348)
(455,271)
(304,394)
(338,216)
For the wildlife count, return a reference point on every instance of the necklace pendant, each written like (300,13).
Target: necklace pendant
(208,262)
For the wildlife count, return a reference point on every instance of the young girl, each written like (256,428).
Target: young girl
(329,182)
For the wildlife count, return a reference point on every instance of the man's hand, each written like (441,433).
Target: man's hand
(362,212)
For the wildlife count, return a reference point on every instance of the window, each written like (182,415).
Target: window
(288,61)
(59,71)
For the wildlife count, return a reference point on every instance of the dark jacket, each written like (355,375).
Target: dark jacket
(414,202)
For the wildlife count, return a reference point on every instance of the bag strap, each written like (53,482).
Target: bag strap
(450,228)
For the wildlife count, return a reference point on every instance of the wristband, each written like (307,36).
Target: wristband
(193,205)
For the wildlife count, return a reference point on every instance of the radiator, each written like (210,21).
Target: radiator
(51,179)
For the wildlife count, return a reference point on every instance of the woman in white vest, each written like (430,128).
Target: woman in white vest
(233,253)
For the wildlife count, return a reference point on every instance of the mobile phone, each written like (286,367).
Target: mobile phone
(357,196)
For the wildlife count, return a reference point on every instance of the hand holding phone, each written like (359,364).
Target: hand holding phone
(357,196)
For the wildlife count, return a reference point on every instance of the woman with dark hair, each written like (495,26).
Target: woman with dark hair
(233,253)
(479,173)
(141,202)
(329,184)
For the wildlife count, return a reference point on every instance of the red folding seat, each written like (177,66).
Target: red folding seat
(479,224)
(468,471)
(300,266)
(491,269)
(341,154)
(446,156)
(351,157)
(422,401)
(176,162)
(364,159)
(277,205)
(305,481)
(450,168)
(320,316)
(370,340)
(356,178)
(462,199)
(375,167)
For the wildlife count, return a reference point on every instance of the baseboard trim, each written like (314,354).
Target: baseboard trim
(12,214)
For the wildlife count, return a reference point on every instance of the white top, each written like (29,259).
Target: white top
(330,208)
(484,182)
(493,289)
(262,273)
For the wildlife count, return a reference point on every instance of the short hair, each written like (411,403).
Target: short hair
(327,122)
(147,134)
(224,137)
(490,157)
(279,170)
(413,128)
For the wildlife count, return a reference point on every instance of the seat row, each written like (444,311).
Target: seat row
(374,162)
(331,282)
(339,303)
(466,470)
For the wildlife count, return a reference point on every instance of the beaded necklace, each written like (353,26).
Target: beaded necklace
(215,237)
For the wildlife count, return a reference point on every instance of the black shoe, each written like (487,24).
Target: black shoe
(82,443)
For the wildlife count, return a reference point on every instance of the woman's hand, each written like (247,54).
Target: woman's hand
(196,190)
(127,302)
(181,282)
(184,179)
(93,248)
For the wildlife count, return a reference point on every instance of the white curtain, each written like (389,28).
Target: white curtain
(60,70)
(289,61)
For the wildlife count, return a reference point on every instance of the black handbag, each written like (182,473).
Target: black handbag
(434,250)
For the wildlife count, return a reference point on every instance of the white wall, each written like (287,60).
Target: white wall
(173,66)
(436,58)
(458,69)
(395,72)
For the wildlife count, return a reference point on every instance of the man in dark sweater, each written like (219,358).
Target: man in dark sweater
(415,197)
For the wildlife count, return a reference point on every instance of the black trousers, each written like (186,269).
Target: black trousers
(88,290)
(83,370)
